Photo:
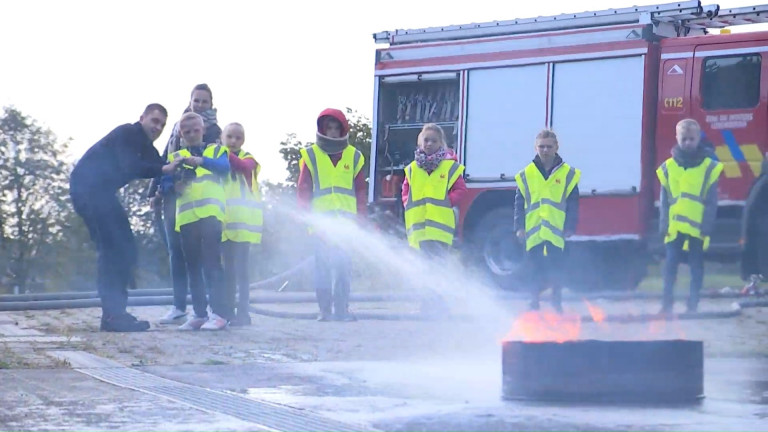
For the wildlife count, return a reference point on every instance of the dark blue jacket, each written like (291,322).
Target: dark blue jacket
(571,203)
(125,154)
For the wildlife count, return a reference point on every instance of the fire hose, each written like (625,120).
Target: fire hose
(147,297)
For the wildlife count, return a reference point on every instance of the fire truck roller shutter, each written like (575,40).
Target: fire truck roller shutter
(506,108)
(597,113)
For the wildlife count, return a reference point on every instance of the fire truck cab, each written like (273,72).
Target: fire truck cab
(612,84)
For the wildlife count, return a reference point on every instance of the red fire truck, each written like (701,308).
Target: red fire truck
(612,84)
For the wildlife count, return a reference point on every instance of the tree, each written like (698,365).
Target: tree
(360,136)
(34,196)
(290,150)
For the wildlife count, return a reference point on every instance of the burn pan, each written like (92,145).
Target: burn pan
(666,371)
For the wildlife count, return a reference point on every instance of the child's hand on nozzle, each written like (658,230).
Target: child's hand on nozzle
(193,161)
(171,167)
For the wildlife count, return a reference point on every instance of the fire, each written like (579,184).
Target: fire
(539,326)
(598,315)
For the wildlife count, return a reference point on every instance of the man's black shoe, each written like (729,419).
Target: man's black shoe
(123,323)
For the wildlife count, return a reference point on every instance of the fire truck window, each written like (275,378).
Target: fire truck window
(731,82)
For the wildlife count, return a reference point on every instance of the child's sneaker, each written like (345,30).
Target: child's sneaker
(215,322)
(172,316)
(193,323)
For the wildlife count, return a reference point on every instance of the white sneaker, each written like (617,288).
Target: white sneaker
(172,316)
(193,323)
(215,322)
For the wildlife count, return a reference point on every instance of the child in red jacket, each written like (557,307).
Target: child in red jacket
(322,159)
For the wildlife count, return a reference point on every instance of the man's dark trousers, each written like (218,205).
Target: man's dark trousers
(110,230)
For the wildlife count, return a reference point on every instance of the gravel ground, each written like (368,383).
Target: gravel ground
(289,340)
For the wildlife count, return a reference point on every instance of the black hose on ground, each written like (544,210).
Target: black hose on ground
(256,298)
(626,319)
(752,303)
(572,297)
(159,292)
(359,315)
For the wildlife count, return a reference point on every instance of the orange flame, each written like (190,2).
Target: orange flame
(598,315)
(537,326)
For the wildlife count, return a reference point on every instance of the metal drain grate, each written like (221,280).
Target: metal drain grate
(265,415)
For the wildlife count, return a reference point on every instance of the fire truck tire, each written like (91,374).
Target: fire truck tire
(593,266)
(494,248)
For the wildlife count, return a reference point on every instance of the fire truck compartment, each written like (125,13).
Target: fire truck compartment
(506,108)
(597,111)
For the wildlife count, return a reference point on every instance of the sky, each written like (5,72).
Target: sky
(83,67)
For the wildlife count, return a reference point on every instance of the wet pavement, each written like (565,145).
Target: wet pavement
(418,395)
(465,395)
(66,400)
(422,376)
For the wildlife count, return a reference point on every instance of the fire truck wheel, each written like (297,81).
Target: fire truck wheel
(596,266)
(495,248)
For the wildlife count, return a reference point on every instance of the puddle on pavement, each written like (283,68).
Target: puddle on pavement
(758,392)
(373,392)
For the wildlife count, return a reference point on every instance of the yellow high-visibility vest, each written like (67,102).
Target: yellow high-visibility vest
(687,190)
(545,203)
(244,215)
(333,187)
(428,212)
(204,196)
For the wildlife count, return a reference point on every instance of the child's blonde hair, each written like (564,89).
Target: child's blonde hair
(547,133)
(191,116)
(433,128)
(233,124)
(687,124)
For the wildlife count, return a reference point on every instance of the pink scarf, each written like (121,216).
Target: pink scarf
(427,162)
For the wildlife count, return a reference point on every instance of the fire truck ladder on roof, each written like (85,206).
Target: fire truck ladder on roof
(686,15)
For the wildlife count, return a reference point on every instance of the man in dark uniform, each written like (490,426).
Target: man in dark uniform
(754,233)
(125,154)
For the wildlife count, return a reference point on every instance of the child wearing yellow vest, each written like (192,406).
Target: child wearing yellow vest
(332,182)
(433,187)
(243,220)
(687,209)
(546,214)
(200,211)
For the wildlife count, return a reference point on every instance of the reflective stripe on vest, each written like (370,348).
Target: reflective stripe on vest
(203,196)
(687,190)
(428,212)
(546,202)
(244,215)
(333,188)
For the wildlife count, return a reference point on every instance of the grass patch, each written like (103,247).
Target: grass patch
(716,276)
(214,362)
